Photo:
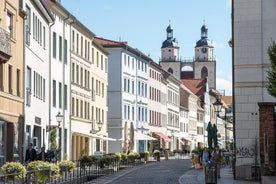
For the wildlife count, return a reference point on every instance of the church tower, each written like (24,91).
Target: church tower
(205,63)
(170,54)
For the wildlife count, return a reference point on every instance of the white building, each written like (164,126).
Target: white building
(127,96)
(253,29)
(60,77)
(37,48)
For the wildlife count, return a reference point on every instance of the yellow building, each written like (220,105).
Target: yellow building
(11,80)
(88,93)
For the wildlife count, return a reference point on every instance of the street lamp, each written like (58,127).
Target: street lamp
(59,118)
(217,105)
(99,124)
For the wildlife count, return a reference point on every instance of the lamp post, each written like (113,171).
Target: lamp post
(217,106)
(59,118)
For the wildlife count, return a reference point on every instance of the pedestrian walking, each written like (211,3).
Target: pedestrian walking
(217,157)
(204,159)
(30,154)
(42,155)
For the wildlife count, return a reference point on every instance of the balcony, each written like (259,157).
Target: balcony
(5,46)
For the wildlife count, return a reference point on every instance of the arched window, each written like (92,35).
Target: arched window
(170,70)
(204,72)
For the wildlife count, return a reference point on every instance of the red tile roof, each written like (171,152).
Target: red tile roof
(196,86)
(109,43)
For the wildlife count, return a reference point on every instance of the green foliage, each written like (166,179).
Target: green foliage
(131,157)
(117,157)
(44,170)
(53,139)
(13,170)
(197,150)
(86,160)
(271,74)
(66,165)
(156,153)
(124,157)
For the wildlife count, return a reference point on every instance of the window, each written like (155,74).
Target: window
(132,87)
(77,46)
(28,25)
(60,48)
(44,37)
(1,77)
(73,107)
(77,74)
(81,76)
(43,89)
(73,72)
(77,107)
(102,89)
(65,97)
(18,82)
(54,44)
(92,55)
(54,93)
(10,79)
(97,59)
(101,62)
(60,95)
(65,52)
(10,28)
(73,41)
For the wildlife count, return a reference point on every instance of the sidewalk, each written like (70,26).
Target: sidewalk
(196,176)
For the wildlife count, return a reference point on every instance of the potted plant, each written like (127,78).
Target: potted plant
(156,155)
(13,170)
(66,166)
(146,156)
(44,170)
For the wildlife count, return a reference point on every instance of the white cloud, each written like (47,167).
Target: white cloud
(224,84)
(218,44)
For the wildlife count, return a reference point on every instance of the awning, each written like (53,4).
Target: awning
(86,134)
(163,136)
(187,139)
(107,138)
(140,136)
(181,141)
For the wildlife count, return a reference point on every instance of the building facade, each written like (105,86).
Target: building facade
(253,29)
(158,107)
(59,82)
(37,49)
(11,81)
(88,92)
(127,96)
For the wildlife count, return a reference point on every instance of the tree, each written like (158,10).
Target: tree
(271,74)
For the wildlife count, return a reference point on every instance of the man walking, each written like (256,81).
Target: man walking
(30,154)
(217,157)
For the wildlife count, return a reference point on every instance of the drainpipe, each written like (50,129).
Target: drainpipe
(50,83)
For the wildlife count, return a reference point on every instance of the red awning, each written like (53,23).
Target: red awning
(166,138)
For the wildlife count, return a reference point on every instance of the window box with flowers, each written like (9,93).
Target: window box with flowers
(66,166)
(44,170)
(13,171)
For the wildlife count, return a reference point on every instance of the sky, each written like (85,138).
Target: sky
(143,23)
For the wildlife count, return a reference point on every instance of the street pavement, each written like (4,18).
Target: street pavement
(192,176)
(196,176)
